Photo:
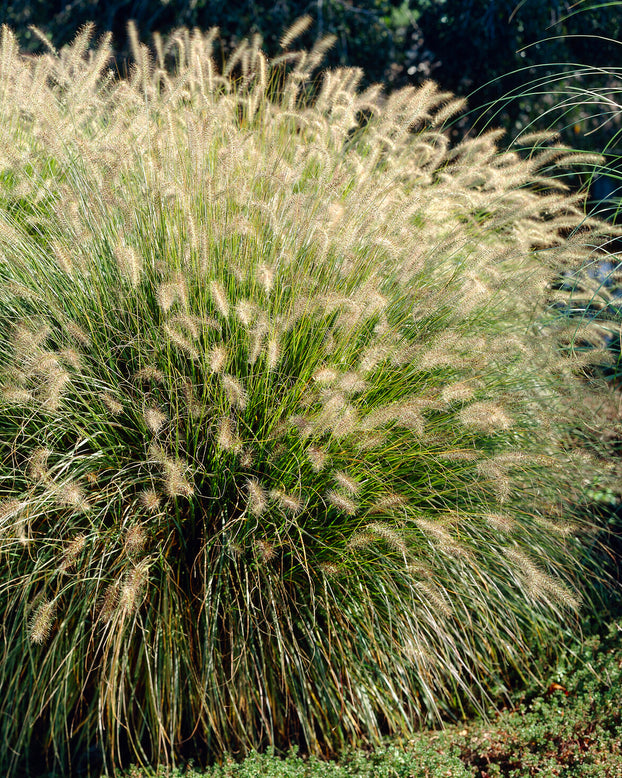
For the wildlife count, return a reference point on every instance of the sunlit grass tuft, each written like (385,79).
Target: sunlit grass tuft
(284,457)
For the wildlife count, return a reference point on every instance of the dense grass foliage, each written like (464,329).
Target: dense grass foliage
(570,729)
(283,454)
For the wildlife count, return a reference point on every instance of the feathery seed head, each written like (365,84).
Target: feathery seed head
(389,534)
(133,587)
(195,408)
(389,503)
(295,30)
(226,435)
(45,363)
(234,391)
(77,333)
(493,474)
(150,500)
(38,465)
(409,416)
(266,277)
(246,458)
(444,351)
(28,337)
(520,560)
(71,357)
(335,213)
(474,293)
(352,383)
(486,417)
(560,593)
(460,455)
(374,303)
(273,353)
(10,511)
(347,483)
(71,495)
(257,497)
(330,569)
(150,374)
(220,298)
(53,389)
(342,502)
(63,257)
(72,552)
(433,595)
(500,521)
(317,457)
(541,585)
(217,358)
(41,622)
(264,549)
(346,423)
(330,343)
(372,357)
(361,540)
(563,528)
(368,441)
(257,338)
(290,503)
(326,375)
(113,405)
(519,459)
(460,392)
(441,538)
(22,528)
(135,540)
(179,339)
(171,293)
(246,311)
(15,395)
(377,418)
(192,324)
(109,602)
(154,419)
(175,482)
(404,414)
(333,405)
(129,262)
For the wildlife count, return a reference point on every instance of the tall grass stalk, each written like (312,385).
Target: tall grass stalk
(283,455)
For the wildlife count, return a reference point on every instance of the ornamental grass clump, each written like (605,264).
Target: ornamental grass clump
(283,457)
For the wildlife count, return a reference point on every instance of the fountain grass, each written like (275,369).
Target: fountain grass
(285,432)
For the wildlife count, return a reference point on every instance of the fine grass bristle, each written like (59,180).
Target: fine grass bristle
(41,622)
(286,433)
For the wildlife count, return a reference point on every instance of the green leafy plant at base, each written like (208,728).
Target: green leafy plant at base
(283,457)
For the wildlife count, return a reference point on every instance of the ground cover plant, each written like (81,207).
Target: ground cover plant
(283,438)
